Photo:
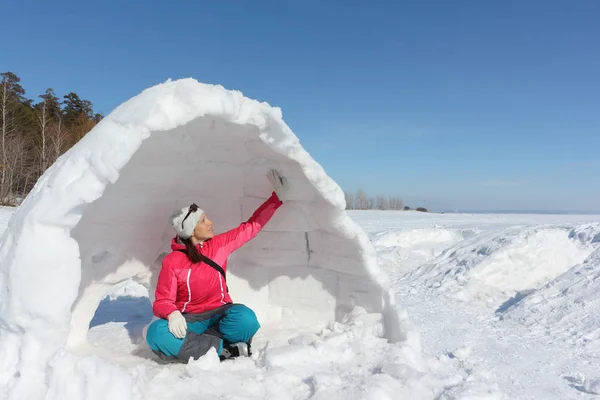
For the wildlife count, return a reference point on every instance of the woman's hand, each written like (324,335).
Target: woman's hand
(177,324)
(280,185)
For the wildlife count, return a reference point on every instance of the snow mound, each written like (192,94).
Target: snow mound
(568,307)
(587,234)
(401,251)
(127,288)
(495,266)
(98,217)
(583,384)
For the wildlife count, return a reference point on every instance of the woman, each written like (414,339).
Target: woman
(192,298)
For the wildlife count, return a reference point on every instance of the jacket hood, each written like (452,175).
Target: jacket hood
(176,245)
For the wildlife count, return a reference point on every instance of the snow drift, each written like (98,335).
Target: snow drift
(567,307)
(494,267)
(402,251)
(98,217)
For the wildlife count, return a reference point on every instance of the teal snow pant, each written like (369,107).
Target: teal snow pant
(230,323)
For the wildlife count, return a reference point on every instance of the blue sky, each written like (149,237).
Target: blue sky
(475,105)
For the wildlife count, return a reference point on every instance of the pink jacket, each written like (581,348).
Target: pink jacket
(195,288)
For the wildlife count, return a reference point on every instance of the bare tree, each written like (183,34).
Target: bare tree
(382,203)
(399,203)
(349,200)
(57,136)
(396,203)
(11,93)
(43,120)
(392,202)
(52,140)
(362,200)
(4,108)
(15,172)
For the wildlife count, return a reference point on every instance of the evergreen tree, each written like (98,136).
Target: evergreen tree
(51,102)
(75,108)
(33,136)
(11,86)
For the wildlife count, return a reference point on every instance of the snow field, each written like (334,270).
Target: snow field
(346,360)
(515,304)
(540,345)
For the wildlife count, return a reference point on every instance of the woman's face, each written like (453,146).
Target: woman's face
(204,229)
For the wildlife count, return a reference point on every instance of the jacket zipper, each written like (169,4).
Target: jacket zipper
(189,290)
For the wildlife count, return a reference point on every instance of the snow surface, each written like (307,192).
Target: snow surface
(566,308)
(539,344)
(515,298)
(98,217)
(5,214)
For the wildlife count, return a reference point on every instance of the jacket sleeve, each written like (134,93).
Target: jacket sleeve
(166,292)
(232,240)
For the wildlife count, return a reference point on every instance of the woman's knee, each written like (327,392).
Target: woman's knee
(159,338)
(246,317)
(155,330)
(239,324)
(193,345)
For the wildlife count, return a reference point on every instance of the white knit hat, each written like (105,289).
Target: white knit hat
(186,229)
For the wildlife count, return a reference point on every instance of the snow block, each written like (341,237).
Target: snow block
(295,217)
(99,216)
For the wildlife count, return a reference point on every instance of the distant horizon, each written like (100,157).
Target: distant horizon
(536,212)
(518,212)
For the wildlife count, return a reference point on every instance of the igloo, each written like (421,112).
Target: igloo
(98,216)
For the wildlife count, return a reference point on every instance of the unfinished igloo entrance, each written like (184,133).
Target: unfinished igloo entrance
(99,216)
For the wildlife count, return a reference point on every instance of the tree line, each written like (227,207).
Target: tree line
(362,201)
(35,133)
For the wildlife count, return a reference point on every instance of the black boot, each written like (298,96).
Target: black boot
(232,350)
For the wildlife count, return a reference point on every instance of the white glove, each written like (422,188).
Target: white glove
(177,324)
(280,185)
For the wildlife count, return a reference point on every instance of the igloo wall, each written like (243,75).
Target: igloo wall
(298,272)
(98,216)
